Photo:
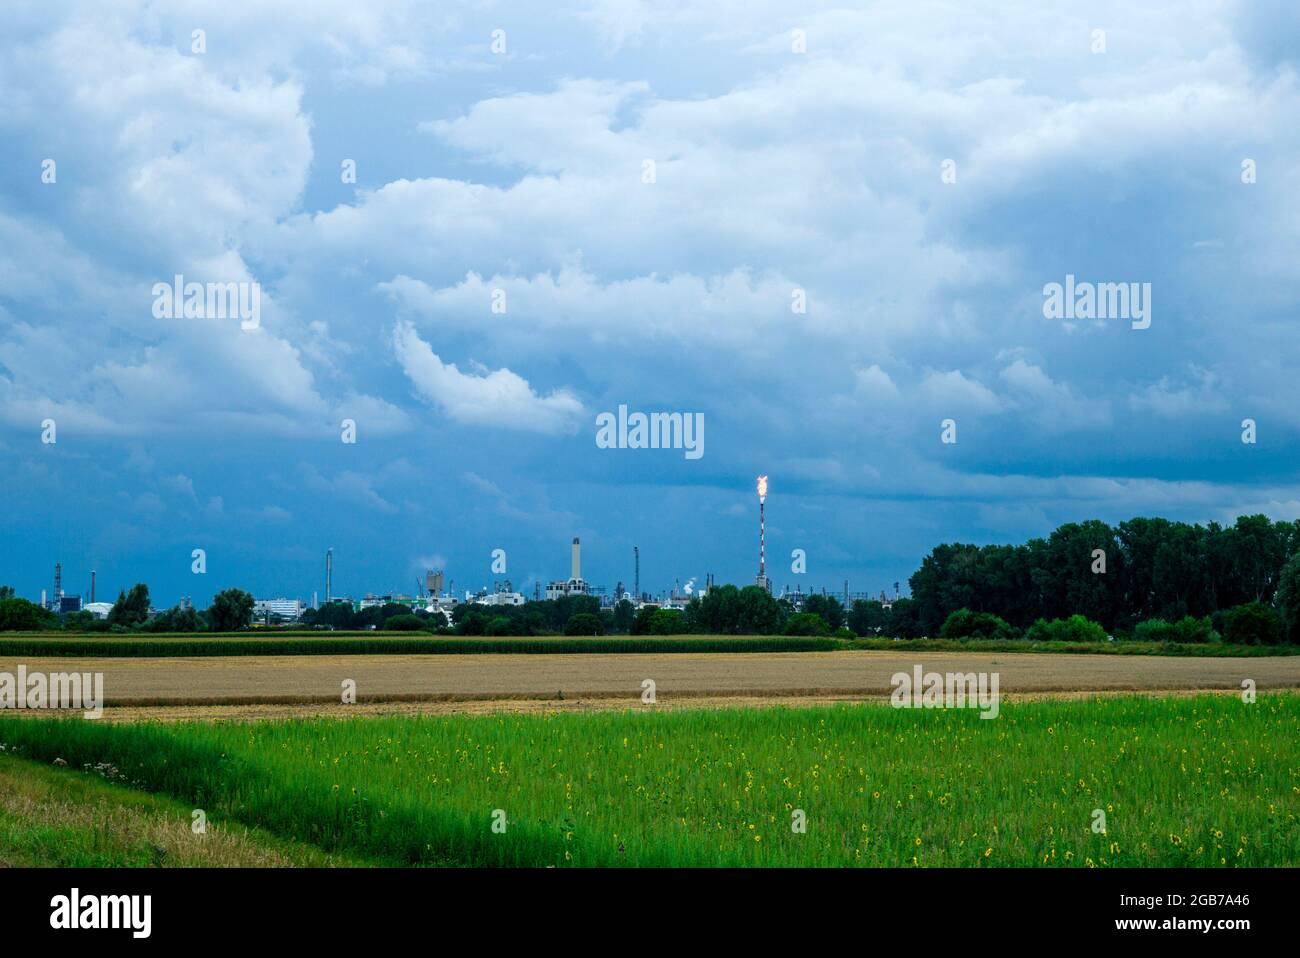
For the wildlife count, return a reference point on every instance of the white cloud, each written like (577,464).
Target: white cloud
(1051,404)
(874,385)
(1170,400)
(953,393)
(499,399)
(774,171)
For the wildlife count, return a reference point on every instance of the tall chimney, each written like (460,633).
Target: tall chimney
(92,585)
(762,581)
(577,559)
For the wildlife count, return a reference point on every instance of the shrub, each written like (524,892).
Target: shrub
(1253,623)
(473,624)
(965,624)
(582,623)
(19,615)
(1219,620)
(844,632)
(174,619)
(403,623)
(1076,628)
(827,606)
(1153,630)
(642,620)
(1190,630)
(806,623)
(1187,630)
(667,622)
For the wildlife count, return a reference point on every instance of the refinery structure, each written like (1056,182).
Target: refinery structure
(436,594)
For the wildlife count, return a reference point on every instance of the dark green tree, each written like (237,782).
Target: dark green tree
(717,612)
(641,622)
(175,619)
(406,622)
(806,623)
(866,617)
(757,613)
(582,623)
(1064,573)
(667,622)
(624,613)
(131,608)
(1288,598)
(19,615)
(333,615)
(965,624)
(1253,623)
(903,621)
(231,610)
(828,607)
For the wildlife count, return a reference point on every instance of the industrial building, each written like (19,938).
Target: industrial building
(575,584)
(371,600)
(502,594)
(287,610)
(431,598)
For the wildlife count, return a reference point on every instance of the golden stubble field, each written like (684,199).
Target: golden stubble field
(273,686)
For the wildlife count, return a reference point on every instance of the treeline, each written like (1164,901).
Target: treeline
(230,611)
(1134,579)
(1145,579)
(723,610)
(392,616)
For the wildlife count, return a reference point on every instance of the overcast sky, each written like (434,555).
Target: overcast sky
(792,151)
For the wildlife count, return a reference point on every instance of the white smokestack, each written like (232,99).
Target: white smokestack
(577,559)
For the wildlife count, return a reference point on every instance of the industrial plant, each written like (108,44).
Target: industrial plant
(437,594)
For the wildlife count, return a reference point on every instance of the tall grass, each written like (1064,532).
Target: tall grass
(1182,781)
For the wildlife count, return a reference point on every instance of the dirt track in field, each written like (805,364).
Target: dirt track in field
(267,686)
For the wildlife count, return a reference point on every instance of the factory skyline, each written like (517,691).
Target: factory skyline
(492,577)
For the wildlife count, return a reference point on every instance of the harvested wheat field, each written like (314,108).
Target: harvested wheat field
(505,682)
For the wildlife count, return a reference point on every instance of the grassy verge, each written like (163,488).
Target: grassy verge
(1187,781)
(1209,650)
(241,644)
(59,817)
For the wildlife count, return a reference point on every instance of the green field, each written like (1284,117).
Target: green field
(1199,781)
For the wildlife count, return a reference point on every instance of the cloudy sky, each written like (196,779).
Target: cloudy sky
(648,189)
